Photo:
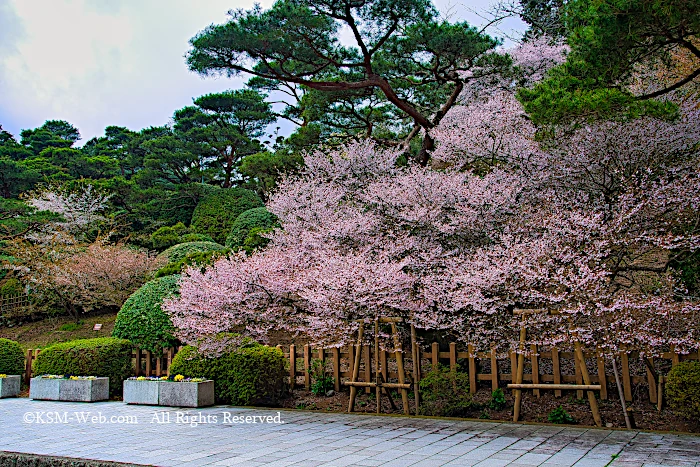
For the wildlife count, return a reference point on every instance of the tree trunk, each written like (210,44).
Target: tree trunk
(426,148)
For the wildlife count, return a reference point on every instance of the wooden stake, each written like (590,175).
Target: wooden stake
(356,368)
(534,359)
(307,367)
(520,369)
(399,365)
(602,378)
(416,366)
(587,380)
(494,370)
(336,368)
(377,375)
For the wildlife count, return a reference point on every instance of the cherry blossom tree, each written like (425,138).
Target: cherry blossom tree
(585,223)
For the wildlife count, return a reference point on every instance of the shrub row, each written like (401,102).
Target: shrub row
(251,374)
(103,356)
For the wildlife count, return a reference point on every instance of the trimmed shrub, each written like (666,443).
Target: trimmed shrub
(201,258)
(168,236)
(683,389)
(445,393)
(195,237)
(103,356)
(11,357)
(179,252)
(142,320)
(250,374)
(215,214)
(259,218)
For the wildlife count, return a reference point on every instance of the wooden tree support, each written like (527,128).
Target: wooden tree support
(379,383)
(580,361)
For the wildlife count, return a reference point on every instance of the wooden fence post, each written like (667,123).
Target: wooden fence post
(513,366)
(307,367)
(368,367)
(292,366)
(336,368)
(602,378)
(651,380)
(579,377)
(28,367)
(149,363)
(534,360)
(436,354)
(494,370)
(137,361)
(556,370)
(626,380)
(472,369)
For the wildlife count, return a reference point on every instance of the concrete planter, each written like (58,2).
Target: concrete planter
(186,394)
(9,386)
(70,390)
(141,392)
(169,393)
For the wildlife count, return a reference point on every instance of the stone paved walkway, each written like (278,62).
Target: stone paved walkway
(172,437)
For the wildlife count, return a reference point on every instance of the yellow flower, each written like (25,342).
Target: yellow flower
(178,378)
(3,375)
(163,377)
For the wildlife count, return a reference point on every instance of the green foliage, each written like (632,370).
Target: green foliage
(10,286)
(257,218)
(70,327)
(609,41)
(180,251)
(445,393)
(103,356)
(251,374)
(683,389)
(263,169)
(141,318)
(321,379)
(201,258)
(498,400)
(687,264)
(195,237)
(215,214)
(168,236)
(11,357)
(560,416)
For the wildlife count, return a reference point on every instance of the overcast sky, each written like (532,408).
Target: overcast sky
(96,63)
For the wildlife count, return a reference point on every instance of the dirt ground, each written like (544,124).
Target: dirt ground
(533,409)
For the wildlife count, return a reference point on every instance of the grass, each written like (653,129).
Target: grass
(41,334)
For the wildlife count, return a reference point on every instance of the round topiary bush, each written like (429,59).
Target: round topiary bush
(11,357)
(179,252)
(215,214)
(103,356)
(257,218)
(142,320)
(200,258)
(683,389)
(250,374)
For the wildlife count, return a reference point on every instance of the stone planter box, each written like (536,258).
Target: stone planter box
(141,392)
(72,390)
(169,393)
(9,386)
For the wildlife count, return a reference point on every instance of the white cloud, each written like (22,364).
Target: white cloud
(103,62)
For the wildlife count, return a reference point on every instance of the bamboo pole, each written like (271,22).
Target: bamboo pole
(399,365)
(356,368)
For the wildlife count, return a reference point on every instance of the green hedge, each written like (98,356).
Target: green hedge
(11,357)
(683,389)
(179,252)
(445,393)
(142,320)
(252,374)
(215,214)
(202,258)
(259,218)
(103,356)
